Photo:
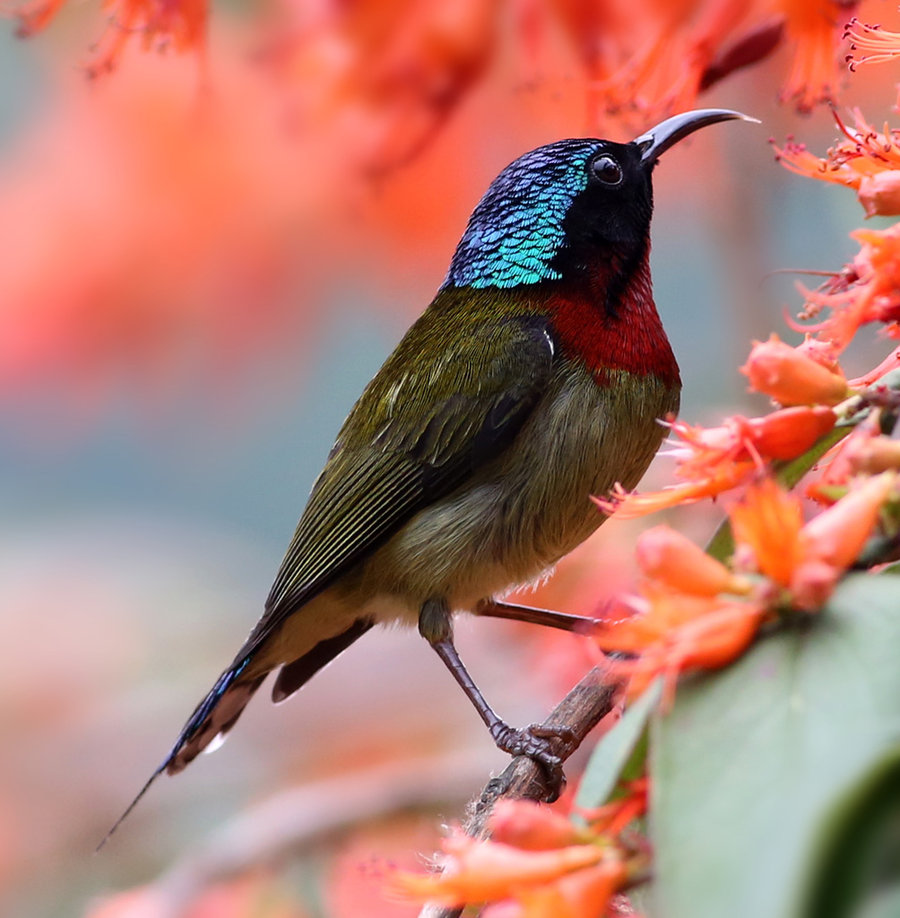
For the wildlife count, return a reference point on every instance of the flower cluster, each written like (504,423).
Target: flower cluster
(693,611)
(651,58)
(539,864)
(157,24)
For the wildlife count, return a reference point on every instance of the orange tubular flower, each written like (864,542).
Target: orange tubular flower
(837,535)
(791,377)
(707,641)
(628,506)
(769,520)
(717,459)
(879,194)
(655,615)
(784,434)
(483,871)
(667,556)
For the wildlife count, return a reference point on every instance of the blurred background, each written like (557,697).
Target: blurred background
(206,254)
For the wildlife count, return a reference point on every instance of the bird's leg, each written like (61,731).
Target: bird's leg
(436,626)
(565,621)
(494,608)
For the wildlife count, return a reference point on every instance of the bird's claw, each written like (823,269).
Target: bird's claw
(538,743)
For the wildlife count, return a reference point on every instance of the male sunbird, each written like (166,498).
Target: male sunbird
(535,379)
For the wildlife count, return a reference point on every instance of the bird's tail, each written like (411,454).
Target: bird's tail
(220,709)
(211,720)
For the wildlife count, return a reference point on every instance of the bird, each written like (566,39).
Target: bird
(535,378)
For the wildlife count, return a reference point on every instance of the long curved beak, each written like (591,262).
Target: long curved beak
(667,133)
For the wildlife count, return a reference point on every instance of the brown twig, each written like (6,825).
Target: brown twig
(580,711)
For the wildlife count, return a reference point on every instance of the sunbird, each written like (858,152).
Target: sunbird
(535,378)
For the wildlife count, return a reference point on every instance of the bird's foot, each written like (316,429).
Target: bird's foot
(539,743)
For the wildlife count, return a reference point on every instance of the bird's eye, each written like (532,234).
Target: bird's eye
(607,170)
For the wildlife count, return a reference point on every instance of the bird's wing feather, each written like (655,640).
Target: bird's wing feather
(406,444)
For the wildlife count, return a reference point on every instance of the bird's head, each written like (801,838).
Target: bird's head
(563,206)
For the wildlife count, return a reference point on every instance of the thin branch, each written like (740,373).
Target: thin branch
(580,711)
(303,817)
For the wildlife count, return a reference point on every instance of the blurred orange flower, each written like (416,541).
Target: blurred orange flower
(552,869)
(867,291)
(814,30)
(482,871)
(668,557)
(577,895)
(806,559)
(837,535)
(768,521)
(627,505)
(676,632)
(156,24)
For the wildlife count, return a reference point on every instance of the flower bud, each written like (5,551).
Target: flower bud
(791,377)
(532,826)
(665,555)
(787,433)
(813,582)
(879,193)
(837,535)
(873,455)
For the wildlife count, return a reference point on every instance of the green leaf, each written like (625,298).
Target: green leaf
(751,761)
(857,871)
(613,752)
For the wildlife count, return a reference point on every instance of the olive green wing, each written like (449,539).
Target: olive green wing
(430,418)
(424,424)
